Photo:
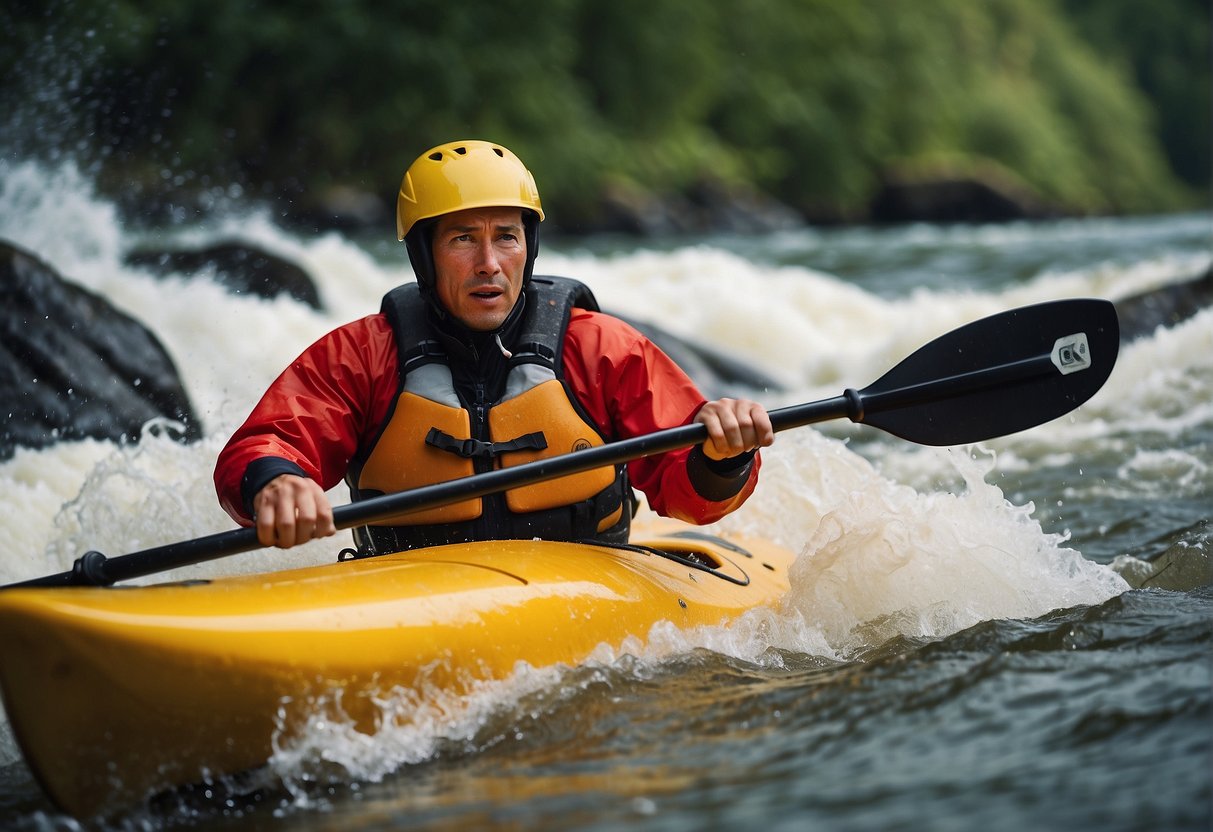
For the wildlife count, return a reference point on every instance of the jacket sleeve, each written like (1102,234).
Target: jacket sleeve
(631,388)
(314,416)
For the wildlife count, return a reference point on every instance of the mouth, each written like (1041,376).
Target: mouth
(487,293)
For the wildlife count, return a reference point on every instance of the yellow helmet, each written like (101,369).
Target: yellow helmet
(466,174)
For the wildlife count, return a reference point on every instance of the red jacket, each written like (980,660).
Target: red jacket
(333,399)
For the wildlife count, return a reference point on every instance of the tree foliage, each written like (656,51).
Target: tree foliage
(812,101)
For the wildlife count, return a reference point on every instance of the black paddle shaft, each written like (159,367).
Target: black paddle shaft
(998,375)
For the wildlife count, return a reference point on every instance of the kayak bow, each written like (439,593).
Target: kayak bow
(117,694)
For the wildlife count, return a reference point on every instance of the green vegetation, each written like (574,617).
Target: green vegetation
(811,101)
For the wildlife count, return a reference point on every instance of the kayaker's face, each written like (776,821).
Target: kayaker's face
(479,259)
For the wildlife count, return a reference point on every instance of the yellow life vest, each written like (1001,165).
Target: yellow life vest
(431,435)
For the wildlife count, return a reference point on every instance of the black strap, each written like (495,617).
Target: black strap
(535,348)
(424,351)
(475,448)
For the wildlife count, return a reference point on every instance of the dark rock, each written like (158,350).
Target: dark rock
(713,371)
(239,266)
(739,210)
(1186,564)
(72,366)
(954,196)
(626,209)
(1165,306)
(344,208)
(708,206)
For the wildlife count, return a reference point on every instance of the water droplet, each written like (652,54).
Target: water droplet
(643,806)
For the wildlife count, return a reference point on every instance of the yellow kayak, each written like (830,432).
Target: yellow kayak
(117,694)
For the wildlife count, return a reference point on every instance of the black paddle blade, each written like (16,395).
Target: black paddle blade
(998,375)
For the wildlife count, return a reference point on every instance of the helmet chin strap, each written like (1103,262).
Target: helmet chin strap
(530,228)
(420,246)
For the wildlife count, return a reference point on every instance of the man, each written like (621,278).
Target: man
(479,365)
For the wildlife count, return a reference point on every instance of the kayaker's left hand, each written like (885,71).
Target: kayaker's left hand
(734,427)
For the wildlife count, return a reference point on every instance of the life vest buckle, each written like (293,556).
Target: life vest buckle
(476,448)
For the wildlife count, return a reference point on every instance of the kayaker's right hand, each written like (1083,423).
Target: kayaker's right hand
(291,510)
(734,427)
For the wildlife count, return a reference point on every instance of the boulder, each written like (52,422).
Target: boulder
(238,266)
(1165,306)
(964,193)
(343,208)
(1186,564)
(72,366)
(706,206)
(715,372)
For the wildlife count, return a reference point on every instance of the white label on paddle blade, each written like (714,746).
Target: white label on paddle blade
(1071,353)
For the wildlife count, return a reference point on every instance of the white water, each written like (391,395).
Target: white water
(884,551)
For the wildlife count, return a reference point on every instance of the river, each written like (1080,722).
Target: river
(963,646)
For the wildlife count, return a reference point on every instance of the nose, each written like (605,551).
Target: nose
(486,259)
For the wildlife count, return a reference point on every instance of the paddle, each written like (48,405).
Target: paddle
(998,375)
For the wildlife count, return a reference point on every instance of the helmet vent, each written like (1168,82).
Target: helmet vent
(437,157)
(499,152)
(462,151)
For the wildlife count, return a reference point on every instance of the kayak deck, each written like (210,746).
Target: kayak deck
(116,694)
